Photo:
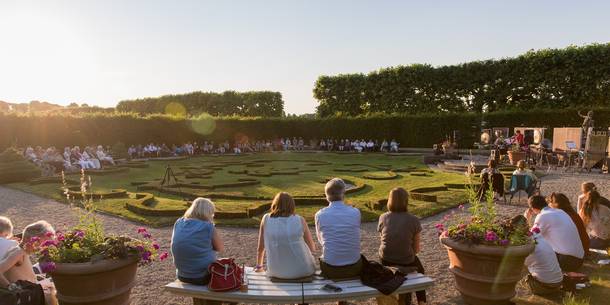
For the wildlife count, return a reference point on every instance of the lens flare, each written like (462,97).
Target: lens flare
(204,124)
(176,109)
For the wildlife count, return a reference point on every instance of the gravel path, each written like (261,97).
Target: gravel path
(24,208)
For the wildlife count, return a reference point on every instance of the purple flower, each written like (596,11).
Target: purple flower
(504,242)
(156,246)
(79,234)
(49,243)
(146,255)
(146,235)
(141,230)
(47,267)
(140,248)
(491,236)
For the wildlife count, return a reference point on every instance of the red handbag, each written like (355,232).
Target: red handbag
(226,275)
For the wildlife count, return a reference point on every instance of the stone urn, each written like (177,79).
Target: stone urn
(515,156)
(106,282)
(486,275)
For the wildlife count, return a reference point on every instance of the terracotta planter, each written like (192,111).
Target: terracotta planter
(486,275)
(515,156)
(106,282)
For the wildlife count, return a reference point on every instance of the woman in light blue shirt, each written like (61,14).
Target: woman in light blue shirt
(195,242)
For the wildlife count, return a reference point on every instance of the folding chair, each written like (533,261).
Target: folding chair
(520,183)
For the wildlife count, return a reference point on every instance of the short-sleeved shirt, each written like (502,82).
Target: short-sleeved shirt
(6,245)
(338,231)
(398,230)
(192,247)
(560,232)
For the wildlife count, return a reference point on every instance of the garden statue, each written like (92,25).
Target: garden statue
(587,122)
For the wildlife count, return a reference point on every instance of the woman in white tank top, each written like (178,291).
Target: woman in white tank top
(286,240)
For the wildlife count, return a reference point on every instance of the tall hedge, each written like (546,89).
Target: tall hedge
(549,78)
(410,130)
(253,103)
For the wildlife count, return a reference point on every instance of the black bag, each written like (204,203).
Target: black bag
(26,294)
(385,279)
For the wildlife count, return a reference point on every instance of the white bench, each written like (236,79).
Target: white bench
(262,291)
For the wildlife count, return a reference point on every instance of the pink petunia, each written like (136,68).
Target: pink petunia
(141,230)
(163,256)
(156,246)
(535,230)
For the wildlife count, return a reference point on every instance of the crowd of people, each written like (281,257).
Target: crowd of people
(71,159)
(563,236)
(53,160)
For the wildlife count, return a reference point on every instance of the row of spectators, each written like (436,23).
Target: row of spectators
(71,159)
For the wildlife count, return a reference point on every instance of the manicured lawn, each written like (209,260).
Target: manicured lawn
(300,174)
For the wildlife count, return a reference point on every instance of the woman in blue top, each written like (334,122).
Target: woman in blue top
(195,242)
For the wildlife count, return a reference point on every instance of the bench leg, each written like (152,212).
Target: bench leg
(205,302)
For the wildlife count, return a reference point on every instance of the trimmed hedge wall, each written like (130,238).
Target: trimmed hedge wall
(409,130)
(548,78)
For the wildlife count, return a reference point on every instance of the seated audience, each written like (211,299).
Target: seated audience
(597,220)
(559,231)
(338,231)
(6,235)
(284,238)
(492,168)
(16,265)
(89,155)
(103,157)
(585,188)
(523,171)
(561,201)
(400,239)
(393,146)
(544,273)
(195,242)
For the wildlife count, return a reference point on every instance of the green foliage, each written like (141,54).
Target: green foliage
(15,168)
(409,130)
(549,78)
(253,103)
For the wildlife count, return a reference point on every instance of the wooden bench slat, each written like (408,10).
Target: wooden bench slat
(262,290)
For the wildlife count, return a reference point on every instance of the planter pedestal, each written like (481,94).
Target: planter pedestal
(486,275)
(106,282)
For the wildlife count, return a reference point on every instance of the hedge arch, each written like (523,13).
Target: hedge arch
(106,171)
(51,180)
(390,176)
(75,192)
(142,205)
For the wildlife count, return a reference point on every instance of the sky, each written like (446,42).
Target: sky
(101,52)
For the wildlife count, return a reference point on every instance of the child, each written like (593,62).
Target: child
(6,235)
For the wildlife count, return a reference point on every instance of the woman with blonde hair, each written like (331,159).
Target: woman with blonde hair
(400,233)
(285,239)
(597,220)
(195,242)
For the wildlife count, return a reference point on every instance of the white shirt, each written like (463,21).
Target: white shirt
(5,245)
(338,231)
(543,264)
(288,256)
(560,232)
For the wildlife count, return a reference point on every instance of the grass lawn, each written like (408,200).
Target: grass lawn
(300,174)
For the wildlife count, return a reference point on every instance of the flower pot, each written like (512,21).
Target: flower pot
(486,275)
(515,156)
(107,282)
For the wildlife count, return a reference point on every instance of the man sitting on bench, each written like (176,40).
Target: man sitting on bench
(338,230)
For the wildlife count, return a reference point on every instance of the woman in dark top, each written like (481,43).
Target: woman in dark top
(561,201)
(400,239)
